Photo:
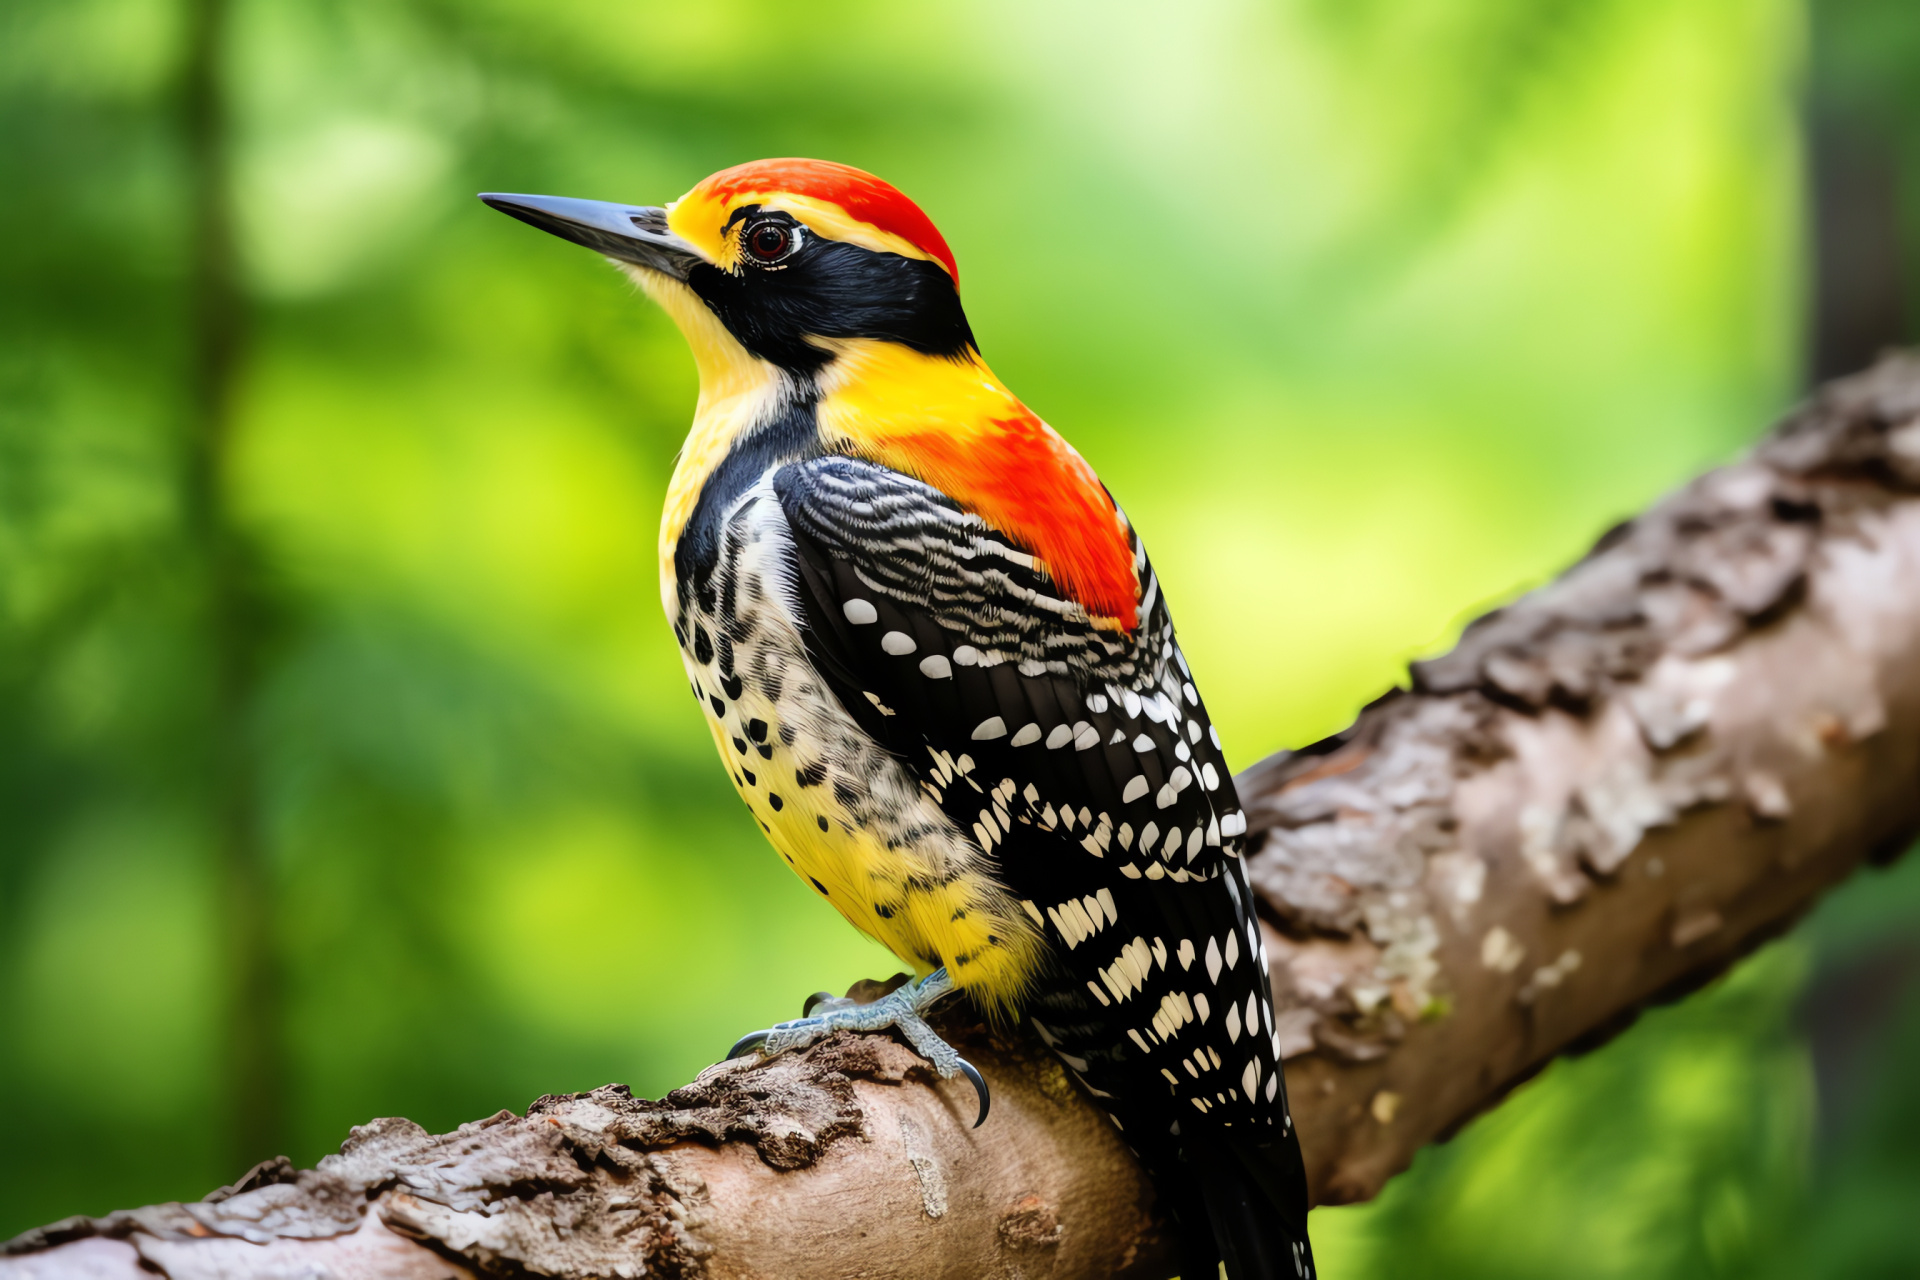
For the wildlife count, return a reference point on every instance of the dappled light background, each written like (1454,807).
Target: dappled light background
(330,637)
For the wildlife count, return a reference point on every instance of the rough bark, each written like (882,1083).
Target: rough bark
(1605,795)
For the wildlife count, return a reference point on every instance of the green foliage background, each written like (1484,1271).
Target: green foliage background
(1371,313)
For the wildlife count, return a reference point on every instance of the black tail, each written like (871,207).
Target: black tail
(1244,1204)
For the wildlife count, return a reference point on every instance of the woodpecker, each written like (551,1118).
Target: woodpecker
(938,666)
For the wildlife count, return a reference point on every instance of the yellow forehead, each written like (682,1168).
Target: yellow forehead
(701,220)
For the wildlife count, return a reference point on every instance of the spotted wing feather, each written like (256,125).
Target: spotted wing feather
(1079,758)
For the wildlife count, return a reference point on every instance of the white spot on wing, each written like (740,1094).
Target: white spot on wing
(1213,960)
(936,667)
(1031,733)
(991,727)
(897,643)
(860,612)
(1135,789)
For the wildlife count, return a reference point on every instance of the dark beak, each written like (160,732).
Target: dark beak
(627,232)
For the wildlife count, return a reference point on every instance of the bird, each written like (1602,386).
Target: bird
(940,670)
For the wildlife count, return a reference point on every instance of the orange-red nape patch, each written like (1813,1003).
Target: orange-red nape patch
(954,425)
(862,196)
(1022,478)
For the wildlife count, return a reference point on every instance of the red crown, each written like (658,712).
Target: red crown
(863,196)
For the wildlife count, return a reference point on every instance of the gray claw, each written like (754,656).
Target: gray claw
(746,1044)
(979,1087)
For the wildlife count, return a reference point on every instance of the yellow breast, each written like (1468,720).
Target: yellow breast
(914,899)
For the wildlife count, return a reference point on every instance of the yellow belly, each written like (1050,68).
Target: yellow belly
(913,901)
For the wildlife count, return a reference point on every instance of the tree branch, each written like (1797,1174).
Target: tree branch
(1605,795)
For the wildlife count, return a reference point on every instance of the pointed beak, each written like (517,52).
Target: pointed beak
(630,233)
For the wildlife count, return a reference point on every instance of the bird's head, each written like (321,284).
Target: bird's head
(815,292)
(791,259)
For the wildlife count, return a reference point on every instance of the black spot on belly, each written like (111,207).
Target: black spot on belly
(765,749)
(884,911)
(777,803)
(822,888)
(757,729)
(740,745)
(822,820)
(733,686)
(702,646)
(719,707)
(811,776)
(751,780)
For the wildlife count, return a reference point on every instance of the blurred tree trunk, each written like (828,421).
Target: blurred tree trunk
(1858,307)
(233,611)
(1606,794)
(1857,296)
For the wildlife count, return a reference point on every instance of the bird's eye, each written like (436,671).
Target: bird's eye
(768,241)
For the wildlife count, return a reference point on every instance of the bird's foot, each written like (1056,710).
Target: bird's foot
(899,1010)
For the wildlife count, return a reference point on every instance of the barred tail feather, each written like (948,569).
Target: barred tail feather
(1248,1211)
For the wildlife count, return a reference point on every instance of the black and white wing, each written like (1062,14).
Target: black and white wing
(1079,758)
